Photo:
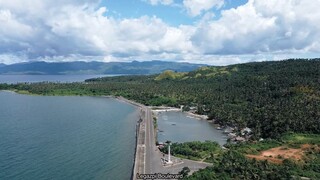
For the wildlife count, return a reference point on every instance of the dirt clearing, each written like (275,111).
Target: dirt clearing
(278,154)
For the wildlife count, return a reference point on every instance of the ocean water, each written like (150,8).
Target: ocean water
(65,137)
(179,127)
(12,79)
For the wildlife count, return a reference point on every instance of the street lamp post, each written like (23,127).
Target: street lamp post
(169,154)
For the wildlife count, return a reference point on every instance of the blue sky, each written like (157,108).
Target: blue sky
(173,14)
(217,32)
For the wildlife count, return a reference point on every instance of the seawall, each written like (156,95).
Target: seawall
(139,158)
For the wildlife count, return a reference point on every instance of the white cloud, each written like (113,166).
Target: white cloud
(262,27)
(196,7)
(157,2)
(75,30)
(78,30)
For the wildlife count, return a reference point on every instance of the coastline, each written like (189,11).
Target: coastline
(160,109)
(134,119)
(141,161)
(139,135)
(137,156)
(120,98)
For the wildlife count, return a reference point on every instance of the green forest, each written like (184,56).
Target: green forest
(233,163)
(277,100)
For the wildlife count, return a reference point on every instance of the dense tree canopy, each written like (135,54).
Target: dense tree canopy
(233,163)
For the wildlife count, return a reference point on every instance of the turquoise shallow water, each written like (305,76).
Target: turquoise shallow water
(65,137)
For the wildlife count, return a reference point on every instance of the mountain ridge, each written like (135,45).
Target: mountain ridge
(95,67)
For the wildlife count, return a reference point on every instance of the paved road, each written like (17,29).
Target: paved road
(148,157)
(153,155)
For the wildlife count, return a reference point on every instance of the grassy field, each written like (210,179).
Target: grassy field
(291,138)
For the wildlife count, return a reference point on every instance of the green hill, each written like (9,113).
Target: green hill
(205,72)
(168,74)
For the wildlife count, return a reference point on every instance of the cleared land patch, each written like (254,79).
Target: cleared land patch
(278,154)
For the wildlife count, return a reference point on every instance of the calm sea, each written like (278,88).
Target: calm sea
(47,78)
(67,138)
(179,127)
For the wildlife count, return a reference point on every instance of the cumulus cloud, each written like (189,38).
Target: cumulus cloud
(163,2)
(79,30)
(196,7)
(262,27)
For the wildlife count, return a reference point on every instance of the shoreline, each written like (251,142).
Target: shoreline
(138,136)
(120,98)
(139,161)
(160,109)
(138,125)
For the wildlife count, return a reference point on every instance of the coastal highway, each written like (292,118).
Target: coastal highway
(148,157)
(153,155)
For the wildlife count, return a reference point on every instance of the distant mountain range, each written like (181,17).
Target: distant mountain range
(134,67)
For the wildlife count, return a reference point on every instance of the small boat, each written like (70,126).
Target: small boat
(173,124)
